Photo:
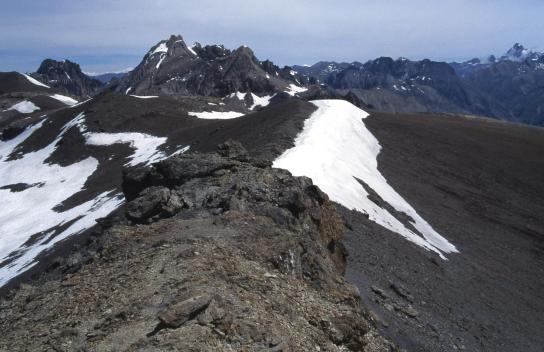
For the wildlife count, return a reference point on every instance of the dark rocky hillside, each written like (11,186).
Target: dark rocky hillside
(15,82)
(409,86)
(517,80)
(320,72)
(478,182)
(67,77)
(507,87)
(249,258)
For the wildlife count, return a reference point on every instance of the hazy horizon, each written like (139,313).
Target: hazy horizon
(105,36)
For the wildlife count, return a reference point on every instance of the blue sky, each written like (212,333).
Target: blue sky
(112,35)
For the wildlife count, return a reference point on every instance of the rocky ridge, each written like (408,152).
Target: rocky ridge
(173,68)
(506,87)
(232,254)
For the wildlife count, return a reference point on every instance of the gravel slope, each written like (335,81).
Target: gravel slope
(479,183)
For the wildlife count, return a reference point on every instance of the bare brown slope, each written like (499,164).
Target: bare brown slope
(480,184)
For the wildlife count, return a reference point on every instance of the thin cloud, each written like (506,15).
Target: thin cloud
(100,32)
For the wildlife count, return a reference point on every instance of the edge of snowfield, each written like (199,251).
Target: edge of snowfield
(335,149)
(29,221)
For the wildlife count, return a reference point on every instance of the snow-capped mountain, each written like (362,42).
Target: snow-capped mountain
(173,68)
(519,53)
(513,80)
(505,87)
(412,86)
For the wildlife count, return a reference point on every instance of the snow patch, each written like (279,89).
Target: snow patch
(24,107)
(163,56)
(35,81)
(239,95)
(144,96)
(216,115)
(32,211)
(293,89)
(64,99)
(145,146)
(335,149)
(191,49)
(260,101)
(161,48)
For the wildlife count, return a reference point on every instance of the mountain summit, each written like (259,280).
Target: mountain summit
(171,67)
(66,76)
(516,53)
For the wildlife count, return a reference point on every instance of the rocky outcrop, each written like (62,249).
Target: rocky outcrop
(66,77)
(234,255)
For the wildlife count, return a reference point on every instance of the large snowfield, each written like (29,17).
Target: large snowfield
(336,149)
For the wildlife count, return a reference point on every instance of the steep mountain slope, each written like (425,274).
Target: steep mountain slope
(319,72)
(221,251)
(15,82)
(407,86)
(516,79)
(508,87)
(67,77)
(172,68)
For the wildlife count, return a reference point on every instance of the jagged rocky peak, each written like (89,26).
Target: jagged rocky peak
(60,70)
(67,77)
(517,51)
(174,46)
(172,68)
(210,52)
(244,58)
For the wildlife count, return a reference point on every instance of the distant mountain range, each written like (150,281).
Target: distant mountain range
(109,77)
(508,87)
